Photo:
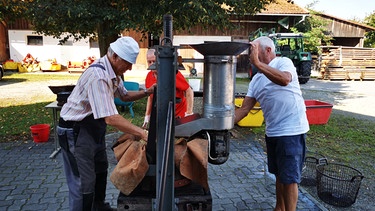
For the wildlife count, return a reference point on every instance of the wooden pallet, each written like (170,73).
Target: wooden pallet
(369,74)
(336,74)
(348,63)
(354,73)
(349,73)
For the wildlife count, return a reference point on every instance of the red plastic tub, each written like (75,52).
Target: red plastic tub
(318,112)
(40,132)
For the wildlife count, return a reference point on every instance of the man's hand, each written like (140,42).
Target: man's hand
(254,59)
(145,122)
(144,137)
(150,90)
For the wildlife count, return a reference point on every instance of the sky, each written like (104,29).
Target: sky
(345,9)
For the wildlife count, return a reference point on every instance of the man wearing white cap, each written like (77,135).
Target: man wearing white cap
(83,120)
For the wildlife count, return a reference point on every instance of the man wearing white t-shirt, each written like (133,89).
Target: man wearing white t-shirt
(277,89)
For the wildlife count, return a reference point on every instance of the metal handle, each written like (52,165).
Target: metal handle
(164,169)
(168,28)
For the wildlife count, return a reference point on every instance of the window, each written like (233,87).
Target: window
(34,40)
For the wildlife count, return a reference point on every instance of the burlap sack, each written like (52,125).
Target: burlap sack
(132,164)
(191,158)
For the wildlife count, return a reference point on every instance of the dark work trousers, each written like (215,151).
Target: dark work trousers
(85,161)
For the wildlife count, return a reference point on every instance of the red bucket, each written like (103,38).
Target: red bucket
(40,132)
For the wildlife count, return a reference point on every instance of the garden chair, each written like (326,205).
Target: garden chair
(130,86)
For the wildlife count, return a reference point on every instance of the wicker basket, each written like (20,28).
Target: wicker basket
(309,169)
(338,184)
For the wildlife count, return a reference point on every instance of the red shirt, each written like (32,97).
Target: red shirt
(181,86)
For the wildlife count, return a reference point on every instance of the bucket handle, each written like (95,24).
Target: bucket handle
(316,160)
(35,134)
(354,177)
(322,160)
(257,109)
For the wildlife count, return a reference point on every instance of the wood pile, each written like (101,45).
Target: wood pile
(347,63)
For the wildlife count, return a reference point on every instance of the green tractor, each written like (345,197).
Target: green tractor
(289,45)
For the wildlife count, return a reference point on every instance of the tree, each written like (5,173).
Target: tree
(107,19)
(370,36)
(10,10)
(314,29)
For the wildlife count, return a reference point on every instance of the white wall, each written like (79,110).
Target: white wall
(76,51)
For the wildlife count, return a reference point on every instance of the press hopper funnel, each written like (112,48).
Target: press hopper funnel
(221,48)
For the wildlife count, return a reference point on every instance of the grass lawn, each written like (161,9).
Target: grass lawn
(17,116)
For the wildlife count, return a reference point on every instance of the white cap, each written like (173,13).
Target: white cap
(126,48)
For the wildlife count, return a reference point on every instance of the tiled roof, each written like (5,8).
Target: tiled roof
(283,7)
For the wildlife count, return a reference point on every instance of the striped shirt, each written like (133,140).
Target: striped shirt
(94,93)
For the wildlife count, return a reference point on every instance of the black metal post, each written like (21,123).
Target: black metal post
(166,95)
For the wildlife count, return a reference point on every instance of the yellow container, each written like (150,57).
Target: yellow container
(48,66)
(22,68)
(56,67)
(254,118)
(9,65)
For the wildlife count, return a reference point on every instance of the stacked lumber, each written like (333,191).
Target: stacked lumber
(347,63)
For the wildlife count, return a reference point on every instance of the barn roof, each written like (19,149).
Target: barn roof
(289,8)
(279,7)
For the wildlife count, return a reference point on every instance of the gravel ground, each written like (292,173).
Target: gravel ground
(29,91)
(354,98)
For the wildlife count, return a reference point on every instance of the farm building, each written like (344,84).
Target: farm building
(17,39)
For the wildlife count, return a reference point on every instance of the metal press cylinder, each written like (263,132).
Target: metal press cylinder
(218,88)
